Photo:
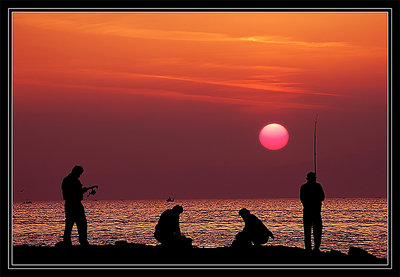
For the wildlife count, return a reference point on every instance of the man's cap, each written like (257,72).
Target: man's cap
(77,169)
(311,175)
(244,212)
(178,208)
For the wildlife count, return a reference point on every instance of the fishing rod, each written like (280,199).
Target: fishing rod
(315,145)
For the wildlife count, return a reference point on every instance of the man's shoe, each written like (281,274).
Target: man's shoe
(85,244)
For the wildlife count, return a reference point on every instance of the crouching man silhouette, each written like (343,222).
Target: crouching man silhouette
(168,232)
(254,231)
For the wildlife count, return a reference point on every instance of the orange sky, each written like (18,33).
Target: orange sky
(260,58)
(255,68)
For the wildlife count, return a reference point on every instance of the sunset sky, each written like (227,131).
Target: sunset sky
(158,104)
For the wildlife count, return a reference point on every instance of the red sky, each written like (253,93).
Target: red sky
(153,104)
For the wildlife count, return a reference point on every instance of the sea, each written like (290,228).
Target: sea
(358,222)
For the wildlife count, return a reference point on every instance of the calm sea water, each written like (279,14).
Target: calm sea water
(210,223)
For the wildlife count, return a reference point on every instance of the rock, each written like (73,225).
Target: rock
(336,253)
(123,252)
(121,243)
(359,253)
(61,244)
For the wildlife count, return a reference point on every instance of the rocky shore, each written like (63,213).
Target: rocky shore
(139,254)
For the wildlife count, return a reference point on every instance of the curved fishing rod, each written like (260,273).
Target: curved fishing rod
(315,145)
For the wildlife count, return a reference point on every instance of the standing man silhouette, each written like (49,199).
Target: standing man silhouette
(73,191)
(311,196)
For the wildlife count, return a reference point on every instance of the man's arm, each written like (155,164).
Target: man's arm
(301,194)
(267,231)
(177,228)
(85,189)
(92,187)
(322,193)
(270,234)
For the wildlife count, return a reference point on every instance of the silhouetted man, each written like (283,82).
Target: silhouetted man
(168,232)
(312,195)
(254,231)
(73,191)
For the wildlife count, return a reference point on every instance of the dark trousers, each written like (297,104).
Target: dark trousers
(172,240)
(246,239)
(313,220)
(75,213)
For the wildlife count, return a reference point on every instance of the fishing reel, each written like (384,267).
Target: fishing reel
(92,190)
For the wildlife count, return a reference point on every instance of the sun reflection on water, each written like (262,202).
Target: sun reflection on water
(210,223)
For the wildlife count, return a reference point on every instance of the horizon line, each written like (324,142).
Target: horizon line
(188,199)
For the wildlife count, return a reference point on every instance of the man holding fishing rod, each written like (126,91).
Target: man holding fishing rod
(73,192)
(311,196)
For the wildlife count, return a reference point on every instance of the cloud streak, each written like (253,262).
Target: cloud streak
(261,103)
(117,29)
(283,87)
(251,93)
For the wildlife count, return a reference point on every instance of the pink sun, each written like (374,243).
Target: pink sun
(274,136)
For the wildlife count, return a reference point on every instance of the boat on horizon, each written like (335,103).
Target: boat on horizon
(170,199)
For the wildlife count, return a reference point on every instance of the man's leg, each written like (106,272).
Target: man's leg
(242,239)
(260,241)
(307,231)
(82,226)
(69,224)
(184,241)
(168,240)
(317,231)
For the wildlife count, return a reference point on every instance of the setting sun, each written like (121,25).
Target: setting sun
(274,136)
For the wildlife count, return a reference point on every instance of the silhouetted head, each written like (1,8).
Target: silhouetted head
(177,209)
(77,171)
(311,177)
(244,213)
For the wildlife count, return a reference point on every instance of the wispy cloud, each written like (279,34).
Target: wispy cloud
(170,93)
(203,36)
(254,93)
(291,41)
(262,68)
(283,87)
(115,28)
